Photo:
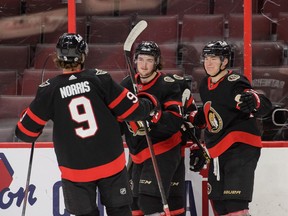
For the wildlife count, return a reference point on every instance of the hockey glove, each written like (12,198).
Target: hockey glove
(197,118)
(248,101)
(197,160)
(156,112)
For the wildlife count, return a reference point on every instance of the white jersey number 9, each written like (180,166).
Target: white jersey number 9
(86,115)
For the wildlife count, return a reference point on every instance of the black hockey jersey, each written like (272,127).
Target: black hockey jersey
(85,108)
(166,134)
(226,124)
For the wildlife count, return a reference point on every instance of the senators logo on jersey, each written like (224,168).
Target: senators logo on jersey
(214,120)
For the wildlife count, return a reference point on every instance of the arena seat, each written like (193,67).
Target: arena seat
(22,29)
(10,8)
(95,7)
(7,133)
(10,109)
(227,7)
(118,75)
(32,78)
(15,57)
(261,29)
(59,25)
(161,29)
(267,53)
(282,30)
(106,56)
(191,55)
(43,57)
(8,82)
(178,71)
(169,54)
(138,7)
(182,7)
(264,53)
(36,6)
(272,81)
(104,29)
(202,28)
(273,8)
(11,106)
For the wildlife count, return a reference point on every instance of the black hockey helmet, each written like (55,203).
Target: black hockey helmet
(70,48)
(149,48)
(217,48)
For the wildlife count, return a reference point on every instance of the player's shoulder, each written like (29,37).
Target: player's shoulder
(126,81)
(50,83)
(167,79)
(97,75)
(234,77)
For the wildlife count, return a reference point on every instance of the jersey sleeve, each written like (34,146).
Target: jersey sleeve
(35,117)
(171,104)
(123,103)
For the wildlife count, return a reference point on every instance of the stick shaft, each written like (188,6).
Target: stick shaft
(28,180)
(127,48)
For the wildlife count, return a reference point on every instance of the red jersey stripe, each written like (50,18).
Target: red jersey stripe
(175,113)
(35,118)
(171,103)
(128,112)
(159,148)
(25,131)
(94,173)
(232,137)
(115,102)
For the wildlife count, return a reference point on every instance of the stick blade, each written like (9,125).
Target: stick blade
(135,32)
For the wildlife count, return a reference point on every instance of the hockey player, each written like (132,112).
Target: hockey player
(165,135)
(230,108)
(85,106)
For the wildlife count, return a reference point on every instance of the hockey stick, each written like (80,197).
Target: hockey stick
(28,179)
(186,126)
(193,137)
(135,32)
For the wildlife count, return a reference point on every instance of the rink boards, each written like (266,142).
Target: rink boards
(45,191)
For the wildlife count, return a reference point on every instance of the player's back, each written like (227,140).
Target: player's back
(83,123)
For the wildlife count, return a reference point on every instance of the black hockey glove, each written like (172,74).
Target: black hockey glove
(248,101)
(197,118)
(197,160)
(156,112)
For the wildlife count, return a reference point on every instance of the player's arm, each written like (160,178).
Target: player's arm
(127,106)
(29,127)
(250,101)
(171,119)
(34,118)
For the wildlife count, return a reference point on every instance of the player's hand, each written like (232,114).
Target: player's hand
(197,118)
(197,160)
(248,101)
(156,111)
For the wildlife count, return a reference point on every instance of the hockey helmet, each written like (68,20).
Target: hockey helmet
(217,48)
(149,48)
(70,48)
